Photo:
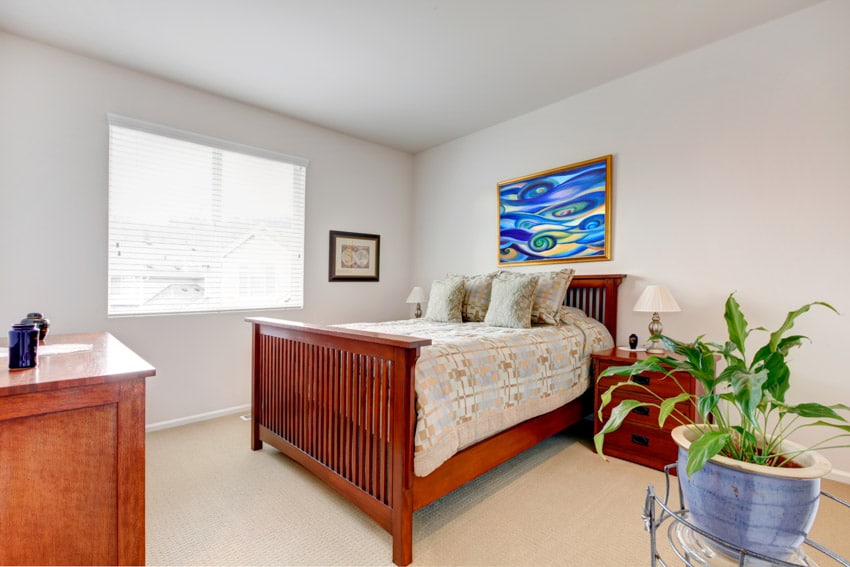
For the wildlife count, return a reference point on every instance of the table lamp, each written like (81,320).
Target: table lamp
(417,296)
(656,299)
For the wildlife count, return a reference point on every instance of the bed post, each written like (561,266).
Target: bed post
(256,394)
(611,299)
(404,404)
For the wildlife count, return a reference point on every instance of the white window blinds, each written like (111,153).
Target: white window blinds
(198,224)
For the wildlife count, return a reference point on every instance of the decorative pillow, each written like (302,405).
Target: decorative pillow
(550,294)
(476,299)
(511,301)
(445,300)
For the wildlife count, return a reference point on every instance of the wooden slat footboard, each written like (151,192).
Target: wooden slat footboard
(341,403)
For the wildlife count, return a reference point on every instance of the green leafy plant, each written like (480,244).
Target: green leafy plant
(745,400)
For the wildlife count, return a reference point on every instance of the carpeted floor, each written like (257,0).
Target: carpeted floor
(213,501)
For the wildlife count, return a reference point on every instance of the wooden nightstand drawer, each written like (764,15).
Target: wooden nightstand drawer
(640,439)
(664,386)
(648,446)
(646,415)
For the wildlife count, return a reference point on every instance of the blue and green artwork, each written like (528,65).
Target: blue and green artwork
(558,215)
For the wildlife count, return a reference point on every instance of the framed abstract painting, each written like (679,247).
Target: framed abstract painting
(354,256)
(559,215)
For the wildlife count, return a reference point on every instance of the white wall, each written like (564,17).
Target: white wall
(53,210)
(731,173)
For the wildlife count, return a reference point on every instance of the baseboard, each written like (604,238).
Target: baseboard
(199,417)
(839,476)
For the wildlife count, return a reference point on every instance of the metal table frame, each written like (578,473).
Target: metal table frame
(657,511)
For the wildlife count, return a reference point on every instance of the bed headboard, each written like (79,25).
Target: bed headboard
(597,296)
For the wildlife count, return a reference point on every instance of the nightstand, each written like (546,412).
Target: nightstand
(639,439)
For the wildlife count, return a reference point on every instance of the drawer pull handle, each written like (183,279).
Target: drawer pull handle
(641,379)
(640,440)
(641,410)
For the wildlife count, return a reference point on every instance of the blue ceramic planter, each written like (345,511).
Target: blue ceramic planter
(768,510)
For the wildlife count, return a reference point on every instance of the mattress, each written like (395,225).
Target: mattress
(476,380)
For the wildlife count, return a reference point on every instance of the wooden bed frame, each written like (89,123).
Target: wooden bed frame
(341,403)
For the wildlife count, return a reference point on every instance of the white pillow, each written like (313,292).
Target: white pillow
(446,300)
(511,300)
(549,296)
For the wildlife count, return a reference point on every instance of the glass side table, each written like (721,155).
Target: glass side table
(695,547)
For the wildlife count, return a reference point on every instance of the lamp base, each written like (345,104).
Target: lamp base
(655,346)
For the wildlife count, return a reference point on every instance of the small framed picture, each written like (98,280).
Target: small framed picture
(354,257)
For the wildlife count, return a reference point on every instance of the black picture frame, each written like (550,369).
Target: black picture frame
(354,257)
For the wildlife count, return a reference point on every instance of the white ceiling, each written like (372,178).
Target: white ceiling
(409,74)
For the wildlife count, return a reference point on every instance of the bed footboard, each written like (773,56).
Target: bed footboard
(341,403)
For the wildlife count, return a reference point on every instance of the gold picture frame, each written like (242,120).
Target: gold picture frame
(558,215)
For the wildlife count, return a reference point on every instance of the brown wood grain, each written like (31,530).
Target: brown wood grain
(341,403)
(72,457)
(641,439)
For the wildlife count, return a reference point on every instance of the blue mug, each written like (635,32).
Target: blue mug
(23,346)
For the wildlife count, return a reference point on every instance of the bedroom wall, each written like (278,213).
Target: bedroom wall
(53,211)
(730,174)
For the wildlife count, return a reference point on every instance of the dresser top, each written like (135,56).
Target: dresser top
(67,361)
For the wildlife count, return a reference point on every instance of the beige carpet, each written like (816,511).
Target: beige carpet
(213,501)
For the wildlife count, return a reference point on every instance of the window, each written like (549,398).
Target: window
(198,224)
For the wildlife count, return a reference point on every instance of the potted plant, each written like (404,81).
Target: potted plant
(737,452)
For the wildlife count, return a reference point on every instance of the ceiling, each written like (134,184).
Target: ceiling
(408,74)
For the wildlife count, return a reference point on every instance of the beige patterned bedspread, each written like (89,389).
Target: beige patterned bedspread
(476,380)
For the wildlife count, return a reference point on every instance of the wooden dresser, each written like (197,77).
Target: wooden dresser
(72,455)
(639,439)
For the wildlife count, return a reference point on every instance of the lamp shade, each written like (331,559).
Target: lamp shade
(656,299)
(417,295)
